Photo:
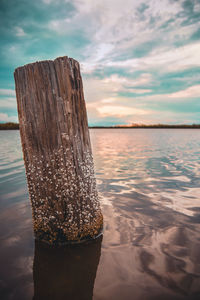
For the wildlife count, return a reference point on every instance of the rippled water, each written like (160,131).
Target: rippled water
(149,186)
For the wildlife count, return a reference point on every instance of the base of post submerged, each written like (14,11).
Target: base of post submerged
(52,235)
(87,239)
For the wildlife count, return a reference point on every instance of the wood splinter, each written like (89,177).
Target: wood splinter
(57,151)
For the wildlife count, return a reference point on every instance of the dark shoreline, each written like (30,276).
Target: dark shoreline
(159,126)
(144,128)
(9,126)
(15,126)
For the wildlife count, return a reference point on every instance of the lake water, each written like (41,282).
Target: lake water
(149,187)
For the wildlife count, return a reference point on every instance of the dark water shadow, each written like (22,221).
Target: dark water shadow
(65,272)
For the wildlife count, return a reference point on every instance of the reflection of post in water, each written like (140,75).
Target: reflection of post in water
(65,272)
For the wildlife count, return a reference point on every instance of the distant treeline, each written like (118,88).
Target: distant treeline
(9,126)
(13,126)
(150,126)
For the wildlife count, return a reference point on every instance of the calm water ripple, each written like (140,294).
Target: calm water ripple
(149,186)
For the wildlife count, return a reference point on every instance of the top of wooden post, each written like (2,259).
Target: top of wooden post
(48,60)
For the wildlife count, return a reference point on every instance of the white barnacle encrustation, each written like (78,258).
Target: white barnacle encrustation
(59,181)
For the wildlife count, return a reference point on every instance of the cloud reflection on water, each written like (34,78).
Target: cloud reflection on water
(149,192)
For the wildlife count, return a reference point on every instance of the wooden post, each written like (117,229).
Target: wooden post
(57,151)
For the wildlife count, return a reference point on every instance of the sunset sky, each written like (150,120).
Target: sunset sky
(140,60)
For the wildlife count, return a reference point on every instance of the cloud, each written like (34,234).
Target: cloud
(9,102)
(19,31)
(164,59)
(154,108)
(7,92)
(97,89)
(60,26)
(142,79)
(108,100)
(136,91)
(115,37)
(120,111)
(114,28)
(116,83)
(191,92)
(131,115)
(47,1)
(5,118)
(181,95)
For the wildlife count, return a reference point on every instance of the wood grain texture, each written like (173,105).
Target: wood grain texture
(57,151)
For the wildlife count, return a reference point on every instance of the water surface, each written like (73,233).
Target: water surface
(149,187)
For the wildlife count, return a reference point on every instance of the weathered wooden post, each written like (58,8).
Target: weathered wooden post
(57,151)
